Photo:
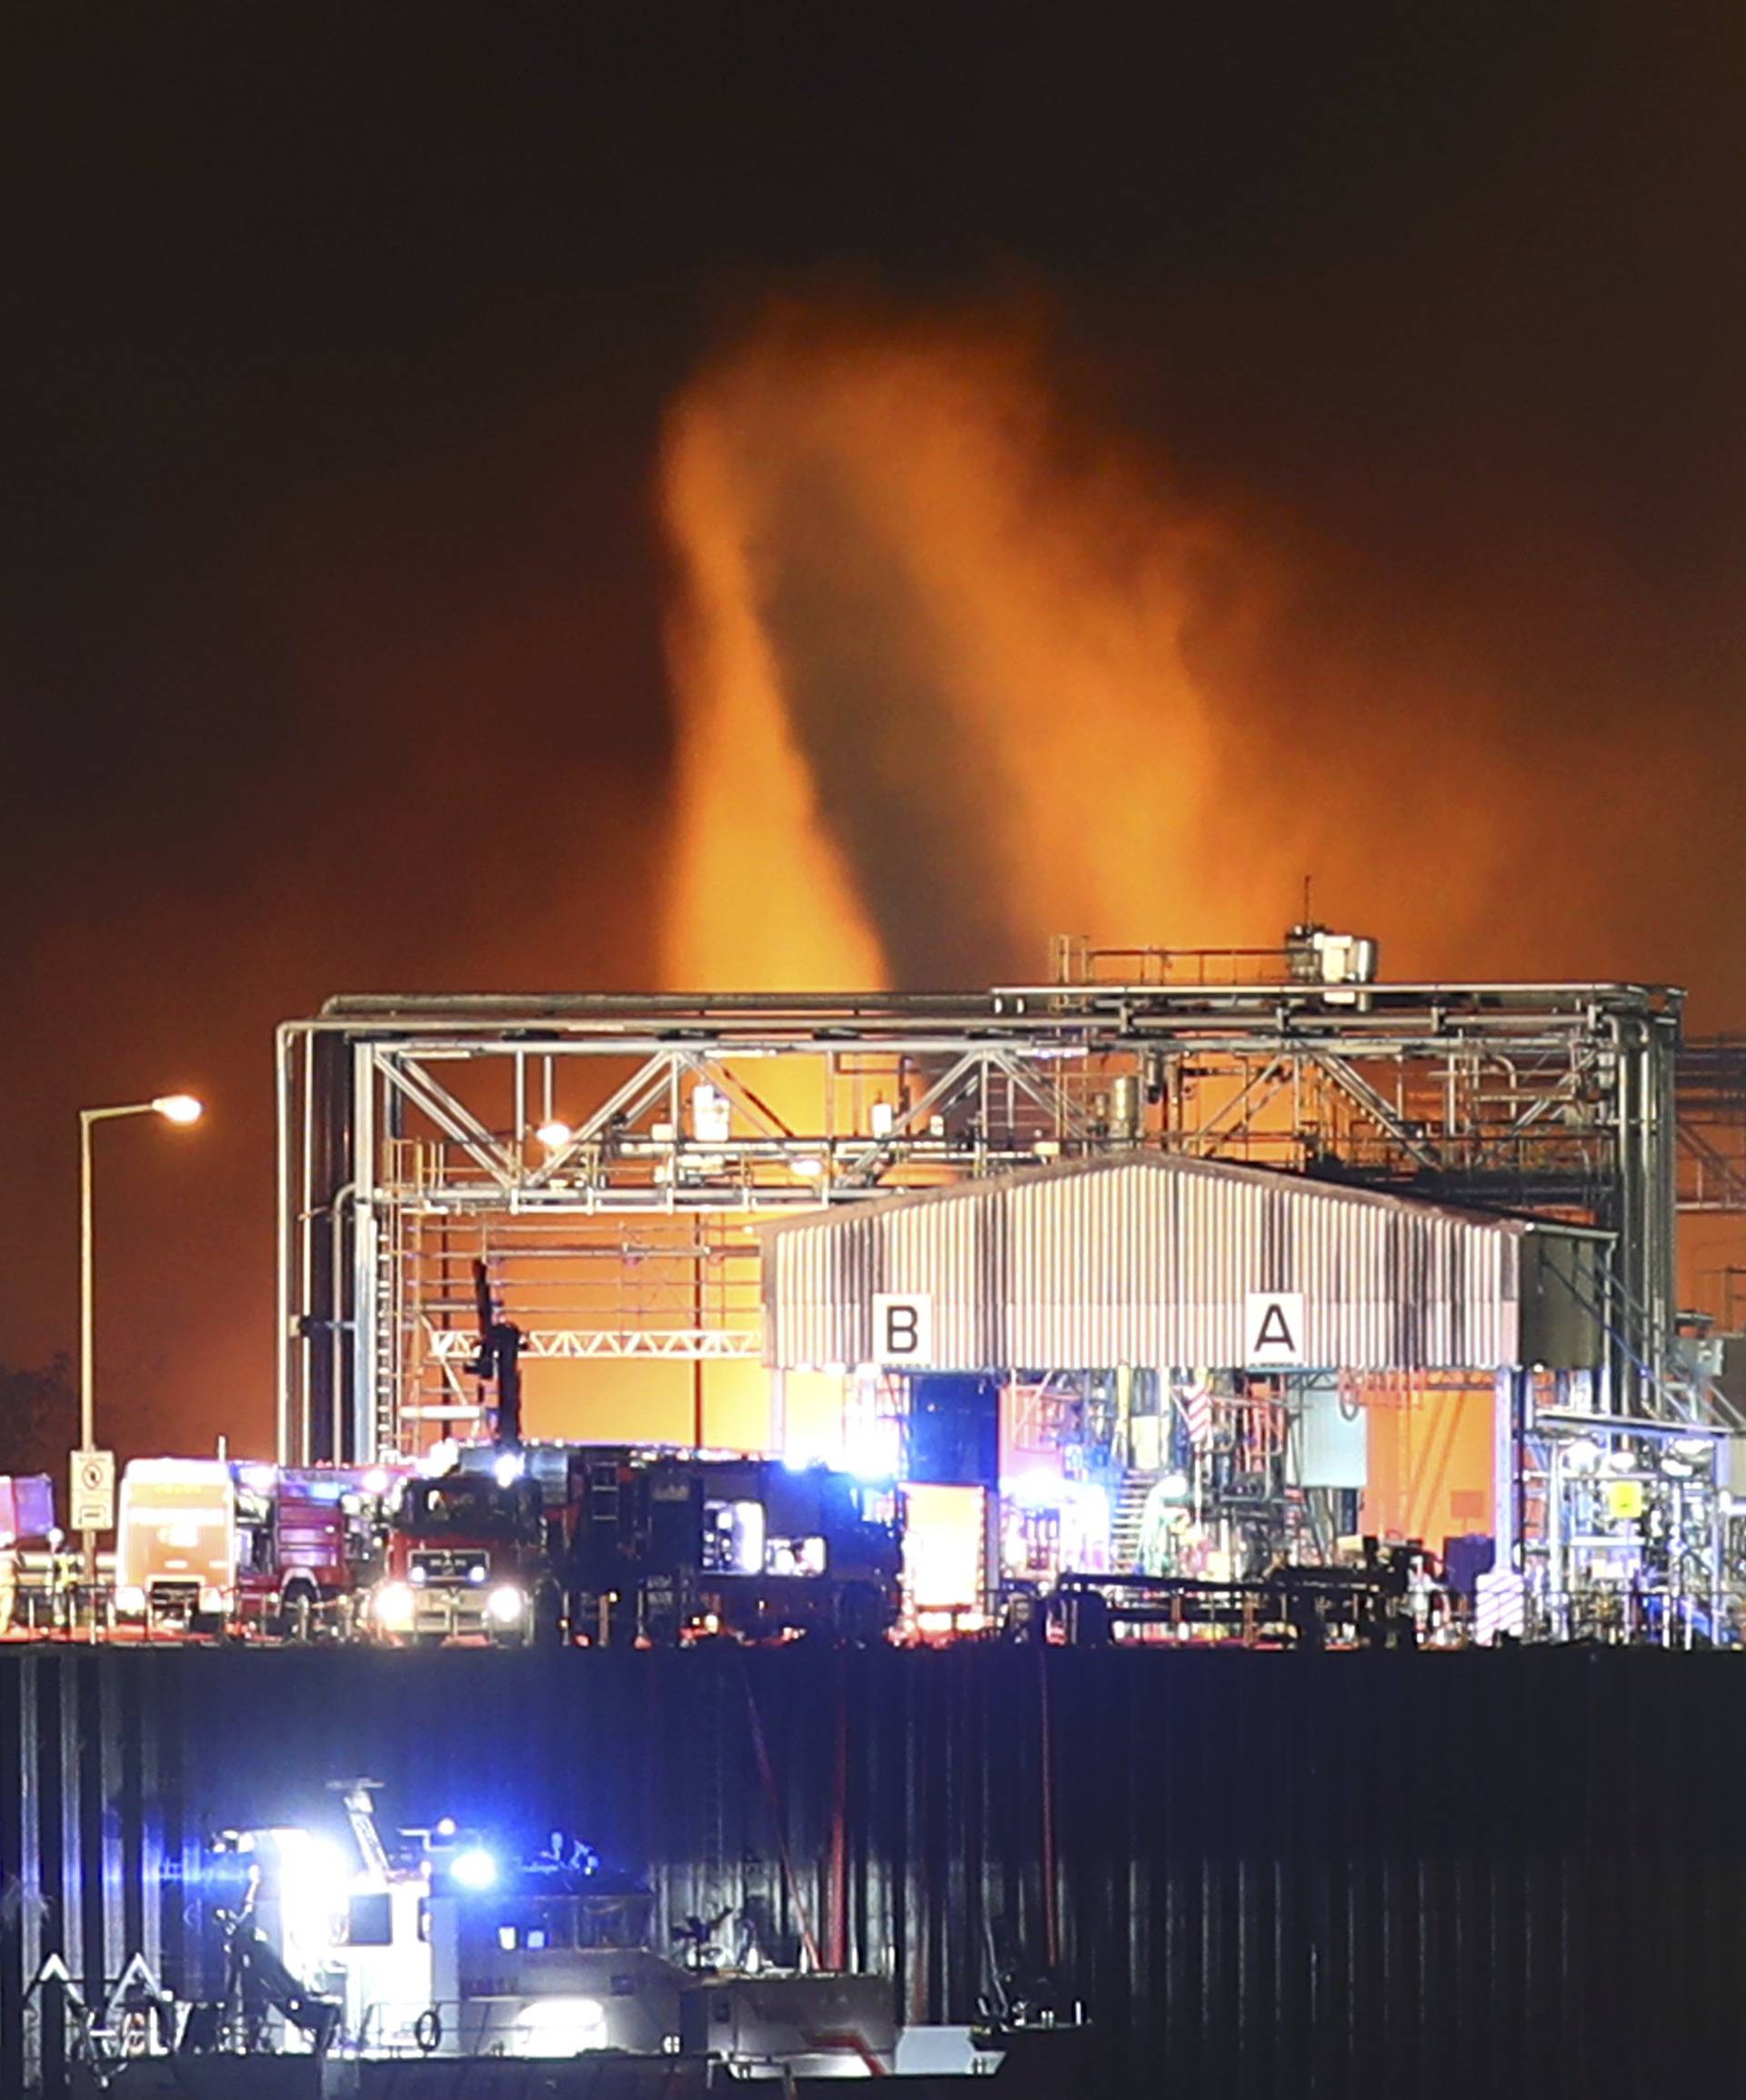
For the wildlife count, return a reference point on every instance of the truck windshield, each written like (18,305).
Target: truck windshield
(461,1507)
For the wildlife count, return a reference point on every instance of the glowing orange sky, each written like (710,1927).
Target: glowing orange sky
(956,672)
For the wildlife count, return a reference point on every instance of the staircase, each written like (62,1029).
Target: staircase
(1126,1524)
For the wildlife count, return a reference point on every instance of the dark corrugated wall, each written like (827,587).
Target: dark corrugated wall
(1294,1876)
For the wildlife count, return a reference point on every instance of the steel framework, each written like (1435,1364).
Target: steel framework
(409,1144)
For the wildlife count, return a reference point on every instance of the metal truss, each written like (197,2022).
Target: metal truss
(409,1143)
(575,1345)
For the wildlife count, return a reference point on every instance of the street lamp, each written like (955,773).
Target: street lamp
(174,1109)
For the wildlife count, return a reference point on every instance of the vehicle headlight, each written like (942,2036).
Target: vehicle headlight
(561,2027)
(506,1604)
(394,1607)
(212,1600)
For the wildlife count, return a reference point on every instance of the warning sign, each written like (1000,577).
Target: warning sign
(903,1329)
(1273,1329)
(93,1500)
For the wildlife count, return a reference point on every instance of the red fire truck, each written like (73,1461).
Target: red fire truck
(670,1545)
(470,1553)
(309,1541)
(214,1543)
(614,1543)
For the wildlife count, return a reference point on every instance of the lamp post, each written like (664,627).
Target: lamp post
(174,1109)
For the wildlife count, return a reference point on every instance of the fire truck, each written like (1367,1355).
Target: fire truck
(669,1545)
(210,1543)
(309,1541)
(471,1553)
(616,1544)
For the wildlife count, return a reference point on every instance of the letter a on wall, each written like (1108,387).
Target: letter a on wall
(1273,1329)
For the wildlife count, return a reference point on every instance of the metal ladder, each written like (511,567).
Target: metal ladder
(1128,1522)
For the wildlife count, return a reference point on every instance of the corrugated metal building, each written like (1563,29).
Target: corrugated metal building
(1152,1259)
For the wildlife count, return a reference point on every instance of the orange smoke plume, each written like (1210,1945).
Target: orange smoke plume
(930,661)
(957,669)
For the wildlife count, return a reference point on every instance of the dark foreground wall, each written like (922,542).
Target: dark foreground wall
(1519,1873)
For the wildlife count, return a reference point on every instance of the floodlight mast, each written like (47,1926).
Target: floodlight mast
(179,1109)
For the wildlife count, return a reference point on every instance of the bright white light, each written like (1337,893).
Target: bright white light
(508,1470)
(872,1449)
(375,1482)
(313,1869)
(178,1108)
(807,1169)
(315,1879)
(474,1869)
(560,2027)
(130,1598)
(440,1458)
(554,1135)
(1174,1487)
(394,1606)
(506,1604)
(1582,1454)
(446,1826)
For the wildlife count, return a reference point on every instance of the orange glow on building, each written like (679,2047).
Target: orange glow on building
(1432,1457)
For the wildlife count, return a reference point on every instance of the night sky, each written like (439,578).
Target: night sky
(341,359)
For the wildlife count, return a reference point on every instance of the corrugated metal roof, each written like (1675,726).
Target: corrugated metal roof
(1150,1259)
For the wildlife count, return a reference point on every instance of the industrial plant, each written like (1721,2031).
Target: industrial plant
(827,1386)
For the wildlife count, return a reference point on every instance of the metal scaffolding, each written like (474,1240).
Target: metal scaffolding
(608,1154)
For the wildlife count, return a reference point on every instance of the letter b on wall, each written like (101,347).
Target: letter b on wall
(903,1329)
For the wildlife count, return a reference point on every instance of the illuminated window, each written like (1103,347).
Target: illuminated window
(794,1557)
(733,1538)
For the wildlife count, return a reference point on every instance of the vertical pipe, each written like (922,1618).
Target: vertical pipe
(1558,1627)
(696,1325)
(301,1343)
(1051,1932)
(89,1538)
(836,1951)
(359,1441)
(1506,1546)
(282,1245)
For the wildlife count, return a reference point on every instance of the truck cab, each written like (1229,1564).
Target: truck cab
(309,1542)
(176,1542)
(467,1555)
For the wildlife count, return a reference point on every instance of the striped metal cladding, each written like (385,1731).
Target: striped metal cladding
(1148,1259)
(1272,1876)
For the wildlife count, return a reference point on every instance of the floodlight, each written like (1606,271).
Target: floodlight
(474,1870)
